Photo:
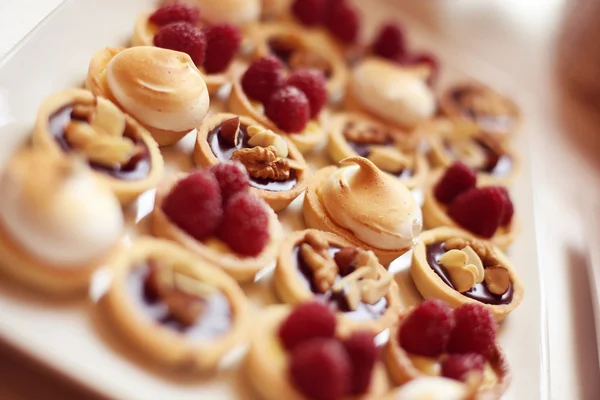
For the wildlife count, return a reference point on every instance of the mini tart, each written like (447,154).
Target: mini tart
(431,285)
(312,136)
(502,163)
(204,156)
(294,287)
(170,344)
(404,367)
(284,39)
(213,250)
(435,215)
(481,105)
(340,146)
(143,35)
(55,114)
(267,362)
(316,217)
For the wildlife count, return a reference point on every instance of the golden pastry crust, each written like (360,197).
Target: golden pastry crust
(214,250)
(165,345)
(291,290)
(125,190)
(339,148)
(312,136)
(435,215)
(96,83)
(266,362)
(430,285)
(204,157)
(402,369)
(451,107)
(316,217)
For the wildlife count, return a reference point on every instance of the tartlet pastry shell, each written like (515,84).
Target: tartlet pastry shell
(430,284)
(402,370)
(435,215)
(204,157)
(239,267)
(125,190)
(266,363)
(164,345)
(291,290)
(316,217)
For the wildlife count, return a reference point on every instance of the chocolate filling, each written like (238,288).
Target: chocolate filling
(479,292)
(215,319)
(137,168)
(223,150)
(337,302)
(489,123)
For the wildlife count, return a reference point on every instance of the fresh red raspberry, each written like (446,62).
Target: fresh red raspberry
(195,205)
(390,42)
(312,83)
(320,369)
(479,210)
(509,208)
(343,21)
(363,354)
(309,12)
(475,331)
(429,60)
(457,178)
(181,36)
(175,12)
(262,78)
(427,329)
(232,178)
(245,226)
(307,321)
(289,108)
(457,366)
(222,44)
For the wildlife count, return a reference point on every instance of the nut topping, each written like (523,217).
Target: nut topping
(266,138)
(389,159)
(464,268)
(316,241)
(483,250)
(322,265)
(366,133)
(497,280)
(263,163)
(230,130)
(345,260)
(308,59)
(485,102)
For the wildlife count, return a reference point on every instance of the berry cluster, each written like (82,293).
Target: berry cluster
(322,366)
(289,102)
(217,201)
(467,334)
(480,210)
(338,16)
(213,47)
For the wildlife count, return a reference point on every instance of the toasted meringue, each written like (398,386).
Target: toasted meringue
(396,94)
(377,208)
(57,211)
(161,88)
(432,388)
(237,12)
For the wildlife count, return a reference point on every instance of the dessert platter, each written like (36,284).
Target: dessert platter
(239,199)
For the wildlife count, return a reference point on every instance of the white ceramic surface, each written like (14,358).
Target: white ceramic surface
(72,338)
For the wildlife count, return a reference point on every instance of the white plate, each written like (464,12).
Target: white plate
(70,337)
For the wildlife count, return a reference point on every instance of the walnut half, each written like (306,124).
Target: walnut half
(263,162)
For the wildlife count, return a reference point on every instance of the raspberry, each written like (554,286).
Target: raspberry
(232,178)
(320,369)
(289,108)
(475,331)
(194,205)
(427,329)
(312,83)
(245,226)
(457,179)
(429,60)
(509,208)
(222,44)
(175,12)
(307,321)
(262,78)
(183,37)
(309,12)
(479,210)
(457,366)
(390,42)
(363,354)
(343,21)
